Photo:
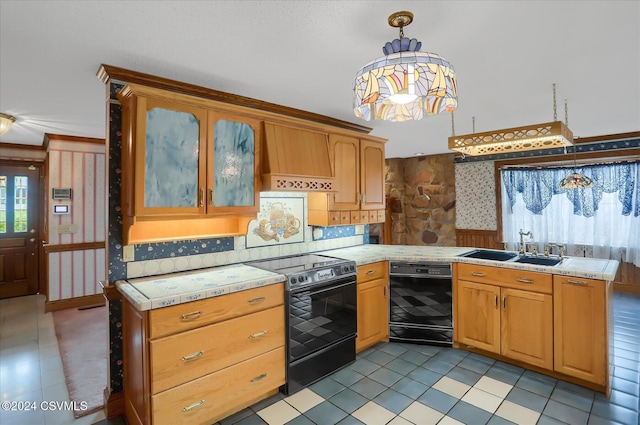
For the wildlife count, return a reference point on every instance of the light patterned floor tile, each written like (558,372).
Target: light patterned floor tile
(449,421)
(418,413)
(304,400)
(483,400)
(373,414)
(493,386)
(278,413)
(399,420)
(518,414)
(452,387)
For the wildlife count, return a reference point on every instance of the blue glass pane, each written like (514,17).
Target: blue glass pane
(171,159)
(233,164)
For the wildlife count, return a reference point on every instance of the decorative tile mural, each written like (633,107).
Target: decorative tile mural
(475,196)
(280,221)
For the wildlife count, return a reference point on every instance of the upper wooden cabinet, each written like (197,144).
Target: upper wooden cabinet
(183,159)
(358,166)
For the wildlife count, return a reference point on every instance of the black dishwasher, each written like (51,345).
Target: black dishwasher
(421,302)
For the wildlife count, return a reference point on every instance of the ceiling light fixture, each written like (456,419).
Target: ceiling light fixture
(405,84)
(526,138)
(6,121)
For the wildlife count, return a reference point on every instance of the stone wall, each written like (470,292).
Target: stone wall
(421,196)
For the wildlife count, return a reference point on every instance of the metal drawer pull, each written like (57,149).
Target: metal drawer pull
(577,282)
(193,406)
(256,300)
(521,280)
(190,316)
(371,272)
(478,274)
(259,378)
(258,335)
(504,303)
(192,356)
(495,301)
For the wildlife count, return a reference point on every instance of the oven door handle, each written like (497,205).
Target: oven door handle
(324,288)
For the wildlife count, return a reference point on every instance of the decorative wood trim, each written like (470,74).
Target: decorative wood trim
(478,238)
(74,247)
(108,72)
(113,403)
(110,292)
(627,278)
(76,302)
(48,137)
(606,137)
(23,147)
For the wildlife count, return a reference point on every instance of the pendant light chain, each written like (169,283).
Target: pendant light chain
(555,114)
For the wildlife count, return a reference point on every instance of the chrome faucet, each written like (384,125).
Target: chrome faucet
(521,251)
(548,246)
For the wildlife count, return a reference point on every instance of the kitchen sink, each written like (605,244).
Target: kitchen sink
(485,254)
(541,261)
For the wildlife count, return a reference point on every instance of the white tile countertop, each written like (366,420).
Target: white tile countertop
(592,268)
(177,288)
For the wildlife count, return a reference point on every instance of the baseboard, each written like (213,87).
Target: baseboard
(87,300)
(113,403)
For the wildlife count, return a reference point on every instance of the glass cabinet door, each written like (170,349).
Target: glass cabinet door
(233,151)
(170,158)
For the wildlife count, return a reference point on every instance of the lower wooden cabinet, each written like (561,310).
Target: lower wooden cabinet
(373,304)
(230,355)
(580,332)
(558,324)
(511,322)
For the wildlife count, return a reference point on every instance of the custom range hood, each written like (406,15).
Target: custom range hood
(296,160)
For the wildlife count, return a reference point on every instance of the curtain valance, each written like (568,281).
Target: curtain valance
(539,185)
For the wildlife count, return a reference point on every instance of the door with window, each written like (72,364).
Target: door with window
(19,236)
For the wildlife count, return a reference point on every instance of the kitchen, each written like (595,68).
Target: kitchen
(138,304)
(425,205)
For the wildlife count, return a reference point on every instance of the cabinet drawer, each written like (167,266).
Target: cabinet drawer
(356,216)
(345,217)
(215,396)
(521,279)
(181,317)
(179,358)
(372,271)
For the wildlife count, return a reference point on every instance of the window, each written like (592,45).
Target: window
(603,221)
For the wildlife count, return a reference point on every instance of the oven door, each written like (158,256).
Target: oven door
(320,316)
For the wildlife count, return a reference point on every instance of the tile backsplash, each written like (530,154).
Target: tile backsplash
(170,257)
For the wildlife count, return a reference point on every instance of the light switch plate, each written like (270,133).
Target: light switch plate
(128,253)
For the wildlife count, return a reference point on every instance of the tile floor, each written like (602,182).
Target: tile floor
(390,383)
(399,384)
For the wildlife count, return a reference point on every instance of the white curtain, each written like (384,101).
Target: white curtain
(603,222)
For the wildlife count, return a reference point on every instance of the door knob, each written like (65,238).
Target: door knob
(32,231)
(32,240)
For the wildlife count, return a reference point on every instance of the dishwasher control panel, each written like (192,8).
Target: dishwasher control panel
(422,269)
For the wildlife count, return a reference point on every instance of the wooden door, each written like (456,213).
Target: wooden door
(580,344)
(527,327)
(372,171)
(478,315)
(19,230)
(345,155)
(373,313)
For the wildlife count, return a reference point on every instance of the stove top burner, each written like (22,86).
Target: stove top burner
(306,269)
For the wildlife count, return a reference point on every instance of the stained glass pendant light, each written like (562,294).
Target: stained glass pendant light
(404,84)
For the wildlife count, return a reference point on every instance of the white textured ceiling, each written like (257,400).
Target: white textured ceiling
(304,54)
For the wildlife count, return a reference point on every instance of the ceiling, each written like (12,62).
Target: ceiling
(304,54)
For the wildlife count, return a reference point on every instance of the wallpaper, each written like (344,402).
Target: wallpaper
(475,196)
